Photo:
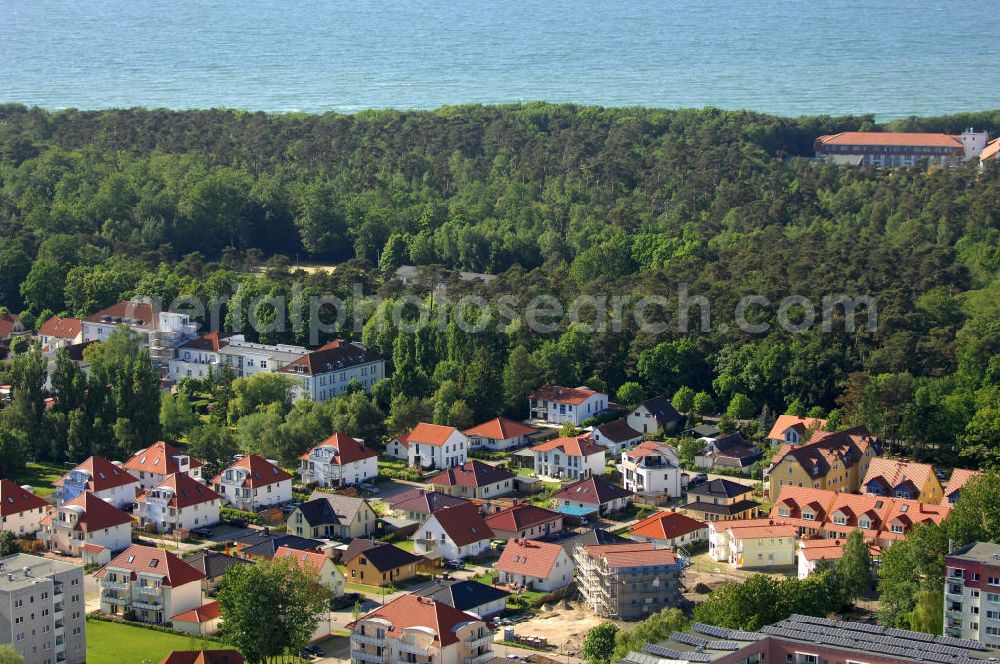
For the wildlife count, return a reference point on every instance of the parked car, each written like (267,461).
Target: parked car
(454,564)
(369,487)
(700,478)
(238,523)
(313,651)
(202,532)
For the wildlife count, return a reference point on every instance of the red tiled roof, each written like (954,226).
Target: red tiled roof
(427,434)
(635,554)
(334,356)
(408,611)
(666,526)
(203,657)
(472,474)
(150,560)
(97,514)
(500,428)
(529,558)
(348,449)
(7,321)
(104,475)
(14,499)
(785,422)
(261,472)
(648,448)
(310,559)
(568,395)
(991,150)
(204,613)
(828,549)
(187,491)
(92,548)
(757,528)
(62,328)
(959,477)
(894,472)
(463,524)
(423,501)
(891,138)
(579,446)
(142,312)
(212,341)
(158,458)
(592,490)
(520,517)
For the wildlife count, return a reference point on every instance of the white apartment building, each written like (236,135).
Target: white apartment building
(253,482)
(21,511)
(558,405)
(573,457)
(420,629)
(340,459)
(86,520)
(330,370)
(652,468)
(149,585)
(42,613)
(105,479)
(246,358)
(160,460)
(178,502)
(198,357)
(161,331)
(430,446)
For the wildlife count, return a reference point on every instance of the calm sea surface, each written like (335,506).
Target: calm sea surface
(888,57)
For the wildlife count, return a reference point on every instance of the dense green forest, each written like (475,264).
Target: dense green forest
(554,199)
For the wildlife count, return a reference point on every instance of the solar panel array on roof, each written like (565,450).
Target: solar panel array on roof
(670,653)
(723,645)
(711,630)
(688,639)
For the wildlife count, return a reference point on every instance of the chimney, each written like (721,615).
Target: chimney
(951,546)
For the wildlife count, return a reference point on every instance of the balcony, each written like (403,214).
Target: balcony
(368,640)
(954,589)
(362,656)
(114,585)
(476,641)
(143,604)
(481,659)
(112,599)
(414,649)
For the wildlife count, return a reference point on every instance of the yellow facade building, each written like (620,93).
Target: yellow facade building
(835,461)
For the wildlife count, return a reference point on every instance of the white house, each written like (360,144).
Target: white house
(197,357)
(669,530)
(330,370)
(340,459)
(253,482)
(557,405)
(152,584)
(21,511)
(178,502)
(616,436)
(652,468)
(320,565)
(569,457)
(453,533)
(500,434)
(59,332)
(591,495)
(430,446)
(105,479)
(160,460)
(85,520)
(652,415)
(534,565)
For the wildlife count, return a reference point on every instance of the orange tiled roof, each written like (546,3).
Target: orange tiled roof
(665,526)
(635,554)
(203,657)
(427,434)
(529,558)
(149,560)
(158,458)
(578,446)
(187,491)
(991,150)
(97,514)
(408,611)
(891,138)
(348,449)
(261,472)
(311,559)
(62,328)
(959,477)
(202,614)
(104,475)
(894,472)
(800,424)
(757,528)
(568,395)
(7,322)
(500,428)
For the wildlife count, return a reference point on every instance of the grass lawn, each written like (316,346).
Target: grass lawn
(114,643)
(405,545)
(40,476)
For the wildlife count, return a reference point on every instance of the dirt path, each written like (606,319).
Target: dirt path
(562,627)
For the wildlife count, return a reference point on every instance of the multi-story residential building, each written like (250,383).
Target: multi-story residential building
(959,478)
(319,565)
(669,530)
(418,504)
(525,521)
(467,595)
(572,457)
(532,565)
(837,461)
(330,370)
(500,434)
(628,581)
(616,436)
(652,469)
(430,446)
(198,357)
(160,460)
(721,500)
(86,520)
(972,593)
(253,482)
(591,496)
(752,543)
(812,552)
(377,563)
(794,430)
(246,358)
(21,511)
(148,584)
(902,479)
(653,415)
(42,612)
(808,640)
(332,516)
(474,479)
(340,459)
(103,478)
(161,331)
(178,502)
(56,333)
(453,533)
(558,405)
(420,629)
(895,149)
